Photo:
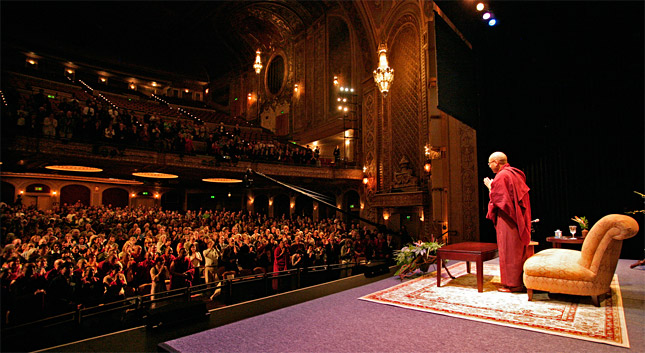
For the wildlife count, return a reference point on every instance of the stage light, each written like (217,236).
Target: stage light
(480,6)
(492,22)
(487,15)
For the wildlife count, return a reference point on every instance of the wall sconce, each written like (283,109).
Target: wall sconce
(32,62)
(229,194)
(54,193)
(270,202)
(427,166)
(335,80)
(292,205)
(365,180)
(186,90)
(22,192)
(251,200)
(258,62)
(156,196)
(132,86)
(154,84)
(249,97)
(430,154)
(102,79)
(133,195)
(206,91)
(295,88)
(386,215)
(384,74)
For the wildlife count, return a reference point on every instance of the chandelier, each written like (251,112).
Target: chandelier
(258,62)
(383,75)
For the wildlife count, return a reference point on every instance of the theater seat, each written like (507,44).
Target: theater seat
(587,272)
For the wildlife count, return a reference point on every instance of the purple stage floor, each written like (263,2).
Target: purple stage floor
(342,323)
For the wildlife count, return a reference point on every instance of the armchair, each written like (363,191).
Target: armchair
(587,272)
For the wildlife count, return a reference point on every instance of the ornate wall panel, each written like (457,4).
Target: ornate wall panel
(298,111)
(320,55)
(370,117)
(340,57)
(463,195)
(310,78)
(406,98)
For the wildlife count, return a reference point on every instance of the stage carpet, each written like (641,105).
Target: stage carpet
(557,314)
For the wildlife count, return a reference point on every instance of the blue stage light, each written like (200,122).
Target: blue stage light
(492,22)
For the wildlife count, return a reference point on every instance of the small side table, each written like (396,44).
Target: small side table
(557,242)
(468,251)
(531,248)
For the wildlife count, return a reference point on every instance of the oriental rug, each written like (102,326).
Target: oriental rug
(557,314)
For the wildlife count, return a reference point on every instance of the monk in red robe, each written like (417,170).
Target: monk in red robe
(510,210)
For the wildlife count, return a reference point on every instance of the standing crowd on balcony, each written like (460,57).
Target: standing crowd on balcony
(97,122)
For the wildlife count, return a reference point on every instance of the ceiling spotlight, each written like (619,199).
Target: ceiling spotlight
(480,6)
(487,15)
(492,22)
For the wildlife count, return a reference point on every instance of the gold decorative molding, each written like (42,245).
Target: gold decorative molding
(70,178)
(402,199)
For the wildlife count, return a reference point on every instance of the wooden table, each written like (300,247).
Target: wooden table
(557,242)
(467,251)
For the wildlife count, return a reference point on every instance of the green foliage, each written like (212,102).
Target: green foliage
(582,221)
(408,256)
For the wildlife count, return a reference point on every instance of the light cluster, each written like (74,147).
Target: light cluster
(487,14)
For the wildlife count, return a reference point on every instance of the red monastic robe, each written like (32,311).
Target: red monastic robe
(510,210)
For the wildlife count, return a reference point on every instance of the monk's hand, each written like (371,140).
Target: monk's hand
(487,182)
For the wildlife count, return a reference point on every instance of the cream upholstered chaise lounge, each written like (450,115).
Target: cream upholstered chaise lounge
(587,272)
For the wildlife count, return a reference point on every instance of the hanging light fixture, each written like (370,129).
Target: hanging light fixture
(258,62)
(383,75)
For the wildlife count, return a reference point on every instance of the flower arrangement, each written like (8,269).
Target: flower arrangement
(582,221)
(415,255)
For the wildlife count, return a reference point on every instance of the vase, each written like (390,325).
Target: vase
(584,232)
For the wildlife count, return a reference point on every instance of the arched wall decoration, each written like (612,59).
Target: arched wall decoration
(276,74)
(351,198)
(261,204)
(304,206)
(365,46)
(281,206)
(8,193)
(339,56)
(117,197)
(405,98)
(73,193)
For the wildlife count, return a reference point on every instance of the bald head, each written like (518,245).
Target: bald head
(496,161)
(499,157)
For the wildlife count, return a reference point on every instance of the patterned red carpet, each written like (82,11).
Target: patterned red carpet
(564,315)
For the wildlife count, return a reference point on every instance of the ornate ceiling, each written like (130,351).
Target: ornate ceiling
(202,40)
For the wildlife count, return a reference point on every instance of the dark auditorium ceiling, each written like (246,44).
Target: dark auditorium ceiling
(203,40)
